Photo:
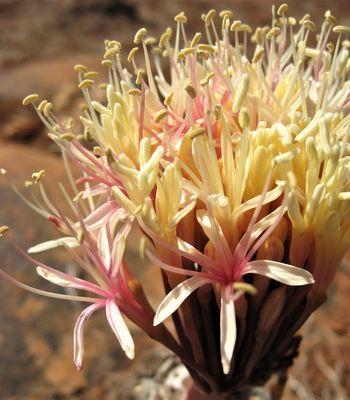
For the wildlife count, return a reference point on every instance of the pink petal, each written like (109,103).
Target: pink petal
(78,334)
(177,296)
(101,215)
(281,272)
(119,327)
(228,329)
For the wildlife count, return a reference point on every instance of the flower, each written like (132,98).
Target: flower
(234,167)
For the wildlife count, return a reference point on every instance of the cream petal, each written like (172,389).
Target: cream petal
(69,241)
(176,297)
(119,327)
(228,329)
(78,334)
(281,272)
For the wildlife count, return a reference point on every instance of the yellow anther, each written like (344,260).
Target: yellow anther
(150,41)
(190,90)
(139,36)
(181,17)
(196,131)
(67,136)
(245,287)
(86,83)
(80,68)
(47,109)
(206,80)
(106,63)
(243,118)
(111,52)
(308,24)
(102,86)
(226,13)
(98,151)
(207,48)
(292,21)
(235,25)
(160,115)
(341,29)
(189,50)
(90,74)
(306,17)
(165,37)
(167,100)
(282,9)
(134,92)
(211,14)
(114,43)
(42,105)
(225,23)
(139,76)
(273,32)
(30,99)
(330,18)
(258,55)
(330,47)
(132,53)
(245,28)
(4,229)
(37,176)
(196,39)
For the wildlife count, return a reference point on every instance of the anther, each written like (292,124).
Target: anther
(282,9)
(190,90)
(134,92)
(30,99)
(139,36)
(341,29)
(181,17)
(80,68)
(196,131)
(37,176)
(90,74)
(3,230)
(160,115)
(196,39)
(211,14)
(86,83)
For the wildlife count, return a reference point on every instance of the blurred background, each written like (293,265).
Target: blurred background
(40,41)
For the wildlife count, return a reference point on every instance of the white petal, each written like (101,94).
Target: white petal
(120,329)
(228,329)
(52,244)
(104,247)
(176,297)
(78,334)
(57,279)
(284,273)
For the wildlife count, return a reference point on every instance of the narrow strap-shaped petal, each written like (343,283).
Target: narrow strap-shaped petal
(281,272)
(65,280)
(78,334)
(178,270)
(228,329)
(101,215)
(119,327)
(177,296)
(69,241)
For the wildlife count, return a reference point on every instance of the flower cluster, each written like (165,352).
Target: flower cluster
(232,161)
